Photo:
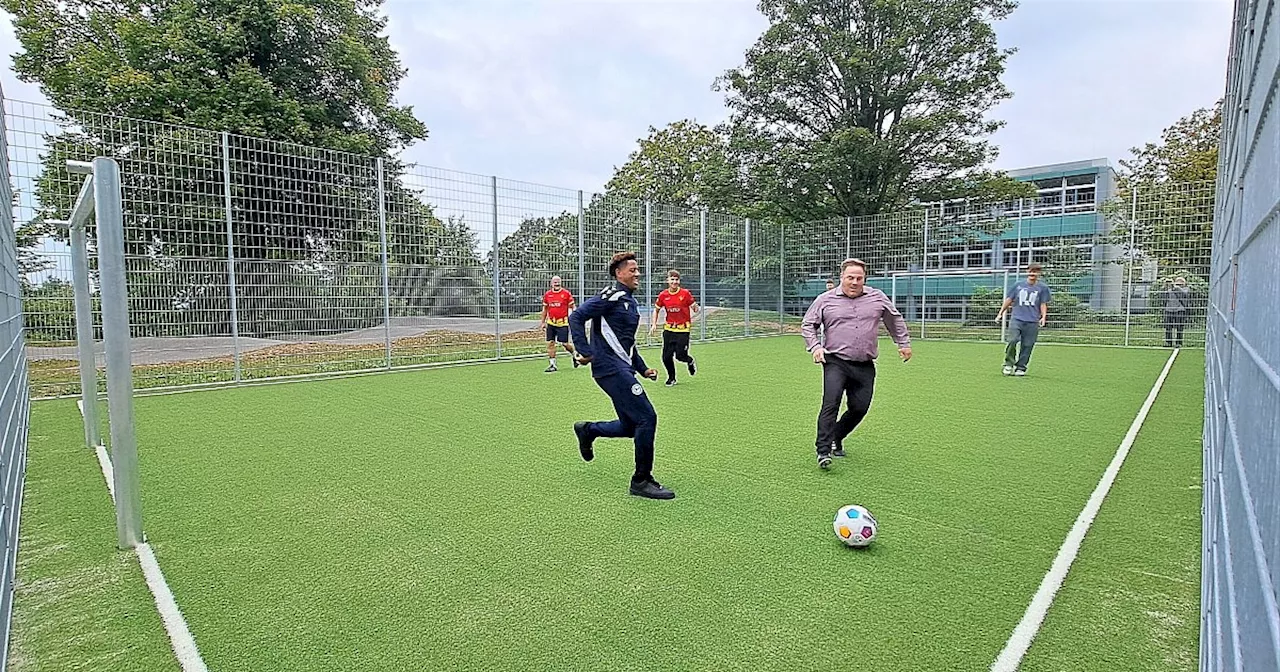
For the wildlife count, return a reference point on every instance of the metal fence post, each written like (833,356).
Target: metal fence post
(84,326)
(746,302)
(582,251)
(497,299)
(702,267)
(648,263)
(1133,226)
(924,266)
(848,237)
(386,273)
(782,248)
(231,249)
(1004,321)
(115,332)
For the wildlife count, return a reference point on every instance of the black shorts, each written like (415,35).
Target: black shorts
(557,334)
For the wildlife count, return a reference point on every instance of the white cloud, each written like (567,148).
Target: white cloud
(558,92)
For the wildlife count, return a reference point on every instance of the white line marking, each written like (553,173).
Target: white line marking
(184,645)
(1025,632)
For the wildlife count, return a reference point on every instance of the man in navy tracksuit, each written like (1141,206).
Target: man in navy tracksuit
(613,316)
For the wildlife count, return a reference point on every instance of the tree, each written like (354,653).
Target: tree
(304,216)
(1163,212)
(847,108)
(684,164)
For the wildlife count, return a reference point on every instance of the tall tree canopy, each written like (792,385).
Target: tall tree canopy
(685,163)
(307,90)
(852,107)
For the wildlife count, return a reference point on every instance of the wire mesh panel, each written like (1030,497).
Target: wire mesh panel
(538,229)
(1240,620)
(440,235)
(812,252)
(15,401)
(306,259)
(765,297)
(612,224)
(725,297)
(676,241)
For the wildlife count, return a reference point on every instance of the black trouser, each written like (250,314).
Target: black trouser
(1174,319)
(841,377)
(675,345)
(636,419)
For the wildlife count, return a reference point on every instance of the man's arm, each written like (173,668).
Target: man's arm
(809,325)
(542,319)
(592,308)
(653,321)
(1004,308)
(897,328)
(637,362)
(1044,305)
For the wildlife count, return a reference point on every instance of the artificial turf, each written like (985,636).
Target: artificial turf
(442,519)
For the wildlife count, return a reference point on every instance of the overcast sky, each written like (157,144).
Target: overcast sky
(558,92)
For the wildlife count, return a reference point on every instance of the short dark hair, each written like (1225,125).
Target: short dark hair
(1034,268)
(673,272)
(853,262)
(620,259)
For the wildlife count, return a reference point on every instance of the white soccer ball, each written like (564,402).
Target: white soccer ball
(854,526)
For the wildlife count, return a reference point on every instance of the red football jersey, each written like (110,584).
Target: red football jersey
(557,304)
(677,306)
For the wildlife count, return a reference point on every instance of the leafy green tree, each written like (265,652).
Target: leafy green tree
(684,164)
(848,108)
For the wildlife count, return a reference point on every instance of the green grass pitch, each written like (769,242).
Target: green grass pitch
(443,520)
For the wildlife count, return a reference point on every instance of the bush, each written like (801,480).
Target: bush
(984,303)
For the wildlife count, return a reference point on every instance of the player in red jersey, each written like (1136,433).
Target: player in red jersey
(680,307)
(556,304)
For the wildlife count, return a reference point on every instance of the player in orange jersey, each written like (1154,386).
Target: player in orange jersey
(556,304)
(680,307)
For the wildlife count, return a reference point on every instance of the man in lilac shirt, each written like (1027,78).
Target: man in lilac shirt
(849,316)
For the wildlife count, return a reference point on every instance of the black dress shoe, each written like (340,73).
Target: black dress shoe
(652,490)
(584,440)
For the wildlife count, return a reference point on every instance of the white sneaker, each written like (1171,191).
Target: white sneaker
(1008,370)
(1020,372)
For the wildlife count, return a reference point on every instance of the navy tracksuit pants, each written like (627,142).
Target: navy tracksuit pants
(636,418)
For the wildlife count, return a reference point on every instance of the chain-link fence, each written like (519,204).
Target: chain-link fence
(1240,621)
(251,259)
(14,404)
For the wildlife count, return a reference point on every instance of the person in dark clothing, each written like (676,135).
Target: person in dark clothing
(1177,305)
(611,318)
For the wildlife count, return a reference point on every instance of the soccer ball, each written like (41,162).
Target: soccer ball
(854,526)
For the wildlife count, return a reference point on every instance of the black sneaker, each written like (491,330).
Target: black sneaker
(837,450)
(584,441)
(651,489)
(671,381)
(550,369)
(574,359)
(692,369)
(824,462)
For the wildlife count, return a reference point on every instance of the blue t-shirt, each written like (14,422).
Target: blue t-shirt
(1027,299)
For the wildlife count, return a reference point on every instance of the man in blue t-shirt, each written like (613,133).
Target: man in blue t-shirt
(1030,301)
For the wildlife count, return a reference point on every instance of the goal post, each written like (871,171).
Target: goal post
(100,198)
(943,296)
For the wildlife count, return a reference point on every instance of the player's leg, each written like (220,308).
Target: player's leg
(564,341)
(860,388)
(1168,330)
(1182,323)
(1030,331)
(641,412)
(834,379)
(1011,346)
(668,356)
(551,349)
(682,350)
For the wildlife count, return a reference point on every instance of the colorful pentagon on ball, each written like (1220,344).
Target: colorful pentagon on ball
(851,513)
(844,532)
(867,532)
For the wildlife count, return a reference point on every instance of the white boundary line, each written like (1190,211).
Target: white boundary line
(184,645)
(1011,656)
